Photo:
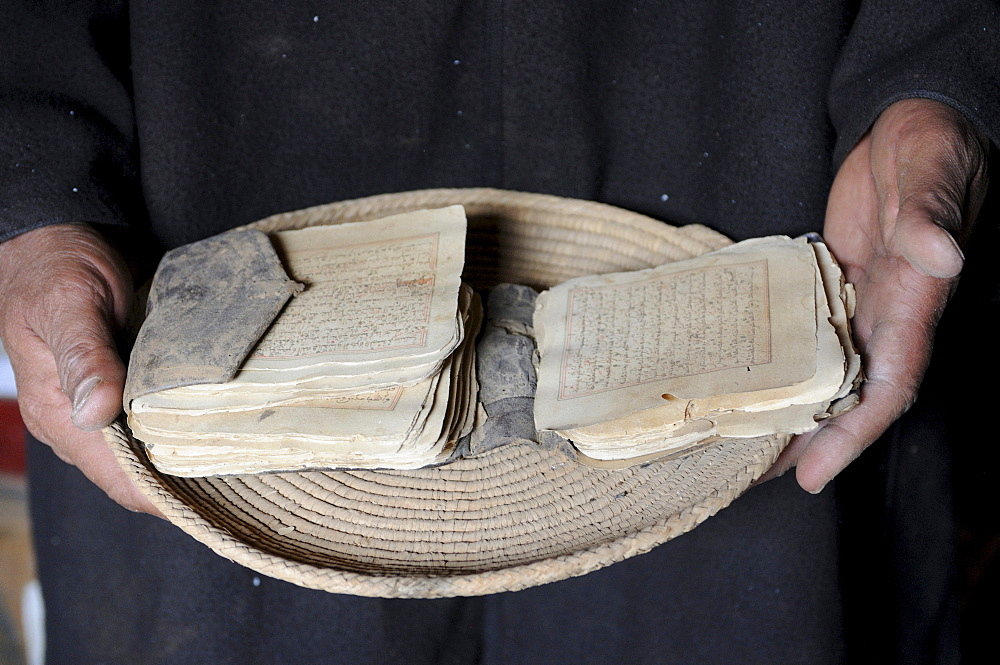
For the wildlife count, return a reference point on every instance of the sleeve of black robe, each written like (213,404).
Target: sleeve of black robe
(948,51)
(66,123)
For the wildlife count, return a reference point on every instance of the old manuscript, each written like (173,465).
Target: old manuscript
(375,362)
(747,341)
(370,365)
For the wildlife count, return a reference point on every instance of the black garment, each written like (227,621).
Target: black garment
(200,116)
(184,119)
(756,584)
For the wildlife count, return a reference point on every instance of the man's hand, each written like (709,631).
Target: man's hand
(902,201)
(63,293)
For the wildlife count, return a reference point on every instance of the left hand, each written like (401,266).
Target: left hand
(901,203)
(64,293)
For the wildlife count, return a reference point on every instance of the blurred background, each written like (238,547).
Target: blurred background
(18,590)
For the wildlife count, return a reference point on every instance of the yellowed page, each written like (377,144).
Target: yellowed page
(733,321)
(269,388)
(840,295)
(233,396)
(374,290)
(301,437)
(789,410)
(384,415)
(824,385)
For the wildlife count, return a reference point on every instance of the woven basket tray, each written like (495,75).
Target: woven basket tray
(511,518)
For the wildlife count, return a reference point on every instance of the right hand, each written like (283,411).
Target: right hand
(900,203)
(64,291)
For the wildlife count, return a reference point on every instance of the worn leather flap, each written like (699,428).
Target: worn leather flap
(210,303)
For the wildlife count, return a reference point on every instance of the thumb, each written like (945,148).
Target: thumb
(935,160)
(91,374)
(84,299)
(923,233)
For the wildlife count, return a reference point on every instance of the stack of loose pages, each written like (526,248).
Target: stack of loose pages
(372,365)
(751,340)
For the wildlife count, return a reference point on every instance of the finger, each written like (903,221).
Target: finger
(938,206)
(932,170)
(75,321)
(46,410)
(925,224)
(65,285)
(42,402)
(788,458)
(927,246)
(897,353)
(842,440)
(103,470)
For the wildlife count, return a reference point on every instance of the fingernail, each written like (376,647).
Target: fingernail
(817,491)
(83,392)
(957,258)
(945,263)
(958,248)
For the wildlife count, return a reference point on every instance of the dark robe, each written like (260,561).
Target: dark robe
(182,119)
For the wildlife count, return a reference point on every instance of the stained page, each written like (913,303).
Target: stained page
(251,390)
(374,290)
(823,385)
(242,395)
(678,423)
(402,427)
(734,321)
(384,415)
(840,295)
(303,437)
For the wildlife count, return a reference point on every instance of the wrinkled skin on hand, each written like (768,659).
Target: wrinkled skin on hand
(64,292)
(901,203)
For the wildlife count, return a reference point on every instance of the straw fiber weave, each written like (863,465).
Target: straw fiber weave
(510,518)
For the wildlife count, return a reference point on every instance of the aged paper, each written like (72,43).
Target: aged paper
(681,423)
(734,321)
(327,432)
(374,290)
(385,415)
(840,296)
(370,366)
(373,365)
(249,390)
(399,427)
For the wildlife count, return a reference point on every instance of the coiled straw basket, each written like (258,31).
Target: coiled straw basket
(513,517)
